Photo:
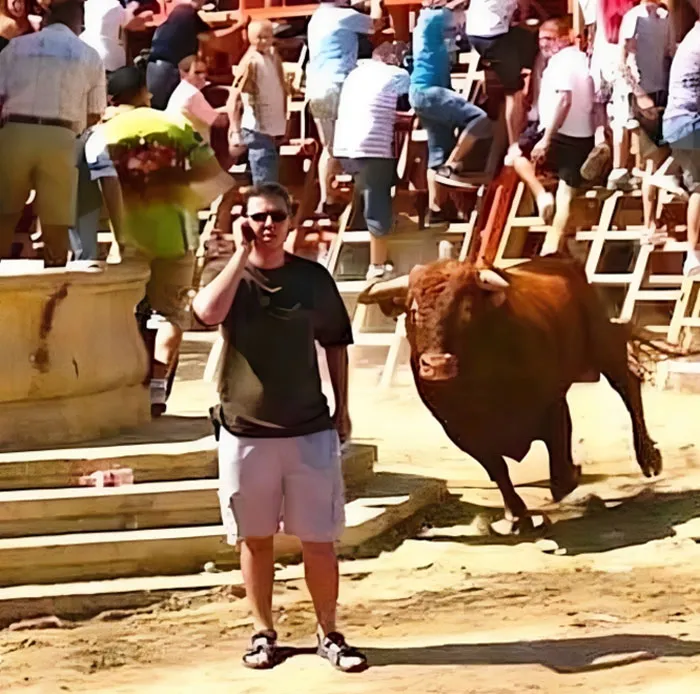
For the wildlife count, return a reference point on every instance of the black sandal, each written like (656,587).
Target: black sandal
(335,649)
(263,652)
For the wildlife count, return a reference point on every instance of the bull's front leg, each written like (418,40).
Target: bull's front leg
(518,520)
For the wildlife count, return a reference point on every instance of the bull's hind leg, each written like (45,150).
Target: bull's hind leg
(614,365)
(556,434)
(518,519)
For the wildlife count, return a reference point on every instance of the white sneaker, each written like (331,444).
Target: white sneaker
(379,272)
(691,266)
(619,179)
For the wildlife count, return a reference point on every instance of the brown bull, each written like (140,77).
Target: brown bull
(494,353)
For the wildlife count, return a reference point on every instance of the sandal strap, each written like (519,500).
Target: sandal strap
(262,651)
(338,652)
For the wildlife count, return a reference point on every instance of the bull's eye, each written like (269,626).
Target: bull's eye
(413,311)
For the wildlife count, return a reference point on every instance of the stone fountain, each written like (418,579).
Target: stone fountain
(74,365)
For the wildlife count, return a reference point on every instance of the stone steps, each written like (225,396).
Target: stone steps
(86,556)
(134,507)
(152,461)
(146,505)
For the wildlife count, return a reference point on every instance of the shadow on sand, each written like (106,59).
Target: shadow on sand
(637,520)
(566,656)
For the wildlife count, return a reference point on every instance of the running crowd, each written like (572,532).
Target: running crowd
(153,151)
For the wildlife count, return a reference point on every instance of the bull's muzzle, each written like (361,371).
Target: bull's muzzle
(437,367)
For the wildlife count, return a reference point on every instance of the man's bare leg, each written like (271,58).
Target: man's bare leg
(327,169)
(436,197)
(544,200)
(258,568)
(692,263)
(620,175)
(322,580)
(378,250)
(515,115)
(555,241)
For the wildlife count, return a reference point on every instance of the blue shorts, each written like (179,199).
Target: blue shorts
(374,179)
(683,132)
(263,156)
(443,112)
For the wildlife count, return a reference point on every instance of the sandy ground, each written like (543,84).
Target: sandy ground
(614,610)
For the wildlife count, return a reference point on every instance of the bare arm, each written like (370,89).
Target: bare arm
(560,113)
(212,304)
(629,67)
(135,21)
(112,194)
(376,12)
(337,358)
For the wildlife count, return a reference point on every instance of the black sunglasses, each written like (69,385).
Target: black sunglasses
(276,216)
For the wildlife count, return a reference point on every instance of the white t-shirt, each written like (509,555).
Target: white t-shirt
(189,102)
(104,31)
(490,17)
(367,111)
(567,71)
(264,112)
(652,30)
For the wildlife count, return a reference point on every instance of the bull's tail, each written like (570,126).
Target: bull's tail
(646,349)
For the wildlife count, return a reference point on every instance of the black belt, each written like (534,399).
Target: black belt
(34,120)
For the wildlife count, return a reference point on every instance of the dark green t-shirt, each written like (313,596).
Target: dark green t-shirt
(270,386)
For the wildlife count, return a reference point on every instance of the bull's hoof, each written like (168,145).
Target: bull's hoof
(562,490)
(533,524)
(651,462)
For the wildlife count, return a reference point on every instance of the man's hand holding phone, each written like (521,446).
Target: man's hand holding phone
(243,235)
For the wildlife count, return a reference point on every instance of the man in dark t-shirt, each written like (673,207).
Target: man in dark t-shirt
(175,39)
(279,445)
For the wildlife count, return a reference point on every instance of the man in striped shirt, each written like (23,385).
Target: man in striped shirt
(364,141)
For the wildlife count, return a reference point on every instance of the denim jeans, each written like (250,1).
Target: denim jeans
(442,112)
(263,156)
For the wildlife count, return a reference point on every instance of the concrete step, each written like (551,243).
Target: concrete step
(388,500)
(169,449)
(147,505)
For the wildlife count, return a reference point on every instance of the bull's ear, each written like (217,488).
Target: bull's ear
(390,295)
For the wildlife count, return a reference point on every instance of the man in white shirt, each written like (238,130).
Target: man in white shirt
(647,44)
(333,44)
(51,86)
(187,100)
(509,49)
(565,140)
(364,141)
(106,22)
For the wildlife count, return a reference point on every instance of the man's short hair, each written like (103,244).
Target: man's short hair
(269,190)
(561,26)
(125,84)
(68,12)
(390,53)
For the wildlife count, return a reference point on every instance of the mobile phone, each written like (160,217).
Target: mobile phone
(247,231)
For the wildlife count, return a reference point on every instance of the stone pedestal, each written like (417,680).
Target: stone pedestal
(73,362)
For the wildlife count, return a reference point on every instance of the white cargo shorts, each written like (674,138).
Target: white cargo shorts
(291,485)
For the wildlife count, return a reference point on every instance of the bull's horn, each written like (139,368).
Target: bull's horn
(491,281)
(371,293)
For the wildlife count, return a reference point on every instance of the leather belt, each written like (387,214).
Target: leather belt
(34,120)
